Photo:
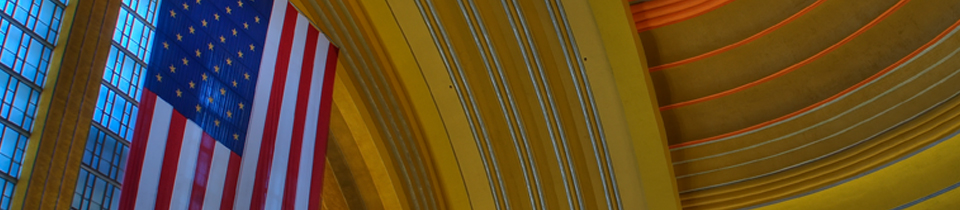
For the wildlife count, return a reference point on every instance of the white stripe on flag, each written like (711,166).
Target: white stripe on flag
(187,166)
(310,135)
(218,174)
(251,151)
(153,156)
(281,153)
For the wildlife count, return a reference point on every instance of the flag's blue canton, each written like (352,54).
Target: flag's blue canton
(205,62)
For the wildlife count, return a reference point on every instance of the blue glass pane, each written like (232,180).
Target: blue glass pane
(106,150)
(123,72)
(114,112)
(106,154)
(18,102)
(92,192)
(12,145)
(23,54)
(6,188)
(40,16)
(133,33)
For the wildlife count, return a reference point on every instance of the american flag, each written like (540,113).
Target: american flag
(235,110)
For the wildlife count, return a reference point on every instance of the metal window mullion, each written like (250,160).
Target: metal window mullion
(117,90)
(128,53)
(111,134)
(15,127)
(138,17)
(21,78)
(59,4)
(102,176)
(8,178)
(28,31)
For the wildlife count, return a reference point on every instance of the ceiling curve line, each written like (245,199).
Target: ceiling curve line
(535,190)
(666,10)
(465,94)
(836,151)
(700,9)
(941,81)
(945,119)
(348,33)
(644,6)
(793,67)
(842,94)
(947,140)
(928,197)
(888,91)
(741,42)
(868,156)
(582,87)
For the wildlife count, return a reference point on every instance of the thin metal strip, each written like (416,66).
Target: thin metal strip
(482,46)
(565,39)
(369,97)
(564,143)
(403,127)
(858,142)
(469,97)
(522,45)
(831,119)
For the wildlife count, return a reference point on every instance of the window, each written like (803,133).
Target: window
(115,111)
(19,101)
(28,34)
(12,145)
(6,188)
(106,154)
(114,119)
(123,72)
(93,192)
(40,16)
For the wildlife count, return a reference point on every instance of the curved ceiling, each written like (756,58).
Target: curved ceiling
(490,105)
(554,103)
(768,100)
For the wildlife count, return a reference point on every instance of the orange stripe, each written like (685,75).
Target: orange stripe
(834,97)
(666,10)
(676,17)
(741,42)
(792,67)
(645,6)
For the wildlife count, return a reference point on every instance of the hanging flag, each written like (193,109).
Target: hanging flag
(235,110)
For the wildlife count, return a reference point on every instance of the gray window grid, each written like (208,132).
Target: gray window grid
(12,146)
(123,72)
(94,192)
(28,34)
(106,153)
(22,53)
(108,144)
(40,16)
(6,188)
(19,102)
(145,9)
(133,33)
(115,112)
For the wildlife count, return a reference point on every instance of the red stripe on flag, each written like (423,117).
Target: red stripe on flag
(171,158)
(323,128)
(299,118)
(273,110)
(138,148)
(204,158)
(230,183)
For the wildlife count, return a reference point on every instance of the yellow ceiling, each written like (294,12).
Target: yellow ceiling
(551,104)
